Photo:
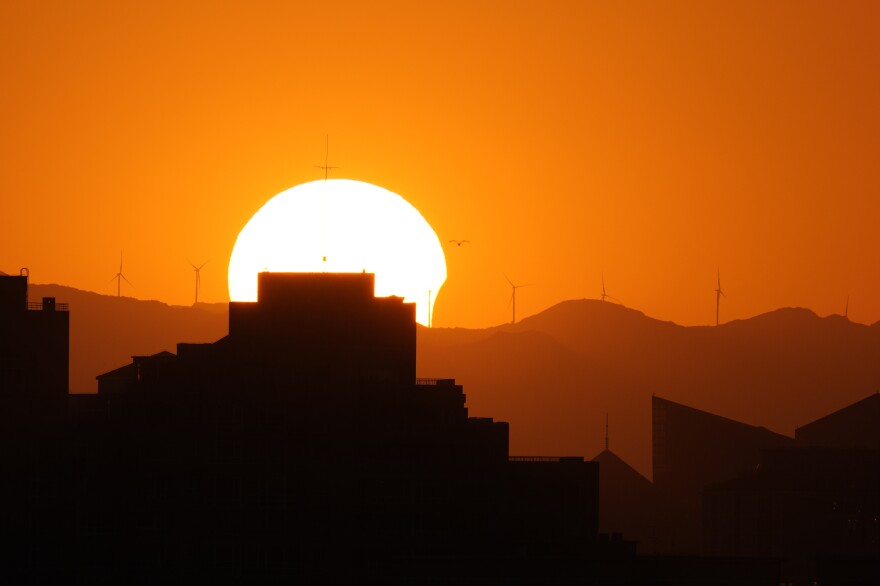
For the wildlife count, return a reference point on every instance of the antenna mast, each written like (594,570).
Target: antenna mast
(326,166)
(606,430)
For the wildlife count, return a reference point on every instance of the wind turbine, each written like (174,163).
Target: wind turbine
(513,289)
(119,277)
(718,294)
(846,309)
(198,277)
(604,295)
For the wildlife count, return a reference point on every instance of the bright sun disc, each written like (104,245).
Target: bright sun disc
(356,226)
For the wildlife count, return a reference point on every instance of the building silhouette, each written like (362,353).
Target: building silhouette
(302,447)
(34,340)
(629,503)
(303,442)
(33,405)
(854,426)
(815,504)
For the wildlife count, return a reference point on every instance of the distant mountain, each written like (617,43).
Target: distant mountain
(554,375)
(106,331)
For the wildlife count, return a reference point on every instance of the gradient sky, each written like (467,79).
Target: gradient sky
(653,141)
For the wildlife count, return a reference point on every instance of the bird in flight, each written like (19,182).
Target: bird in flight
(460,242)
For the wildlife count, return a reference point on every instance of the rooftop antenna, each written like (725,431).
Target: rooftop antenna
(326,166)
(513,289)
(718,294)
(198,277)
(606,430)
(119,278)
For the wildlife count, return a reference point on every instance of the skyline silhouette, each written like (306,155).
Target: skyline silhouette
(318,380)
(602,354)
(351,392)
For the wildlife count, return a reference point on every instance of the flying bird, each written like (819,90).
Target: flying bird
(460,242)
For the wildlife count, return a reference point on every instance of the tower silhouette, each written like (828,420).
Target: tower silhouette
(513,289)
(718,294)
(119,277)
(197,269)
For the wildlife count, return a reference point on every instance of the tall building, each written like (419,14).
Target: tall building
(691,450)
(33,406)
(34,344)
(815,504)
(853,426)
(303,438)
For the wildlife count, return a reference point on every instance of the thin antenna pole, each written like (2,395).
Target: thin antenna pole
(606,430)
(513,317)
(326,166)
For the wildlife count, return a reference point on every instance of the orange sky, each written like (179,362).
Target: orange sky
(654,142)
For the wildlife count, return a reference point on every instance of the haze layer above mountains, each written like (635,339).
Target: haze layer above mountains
(555,375)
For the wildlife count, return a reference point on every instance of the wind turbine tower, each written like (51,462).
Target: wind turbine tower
(197,269)
(119,277)
(605,295)
(513,289)
(718,294)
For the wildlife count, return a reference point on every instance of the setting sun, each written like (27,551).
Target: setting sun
(341,225)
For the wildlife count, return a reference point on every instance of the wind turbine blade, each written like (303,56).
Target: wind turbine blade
(113,278)
(126,280)
(508,280)
(204,263)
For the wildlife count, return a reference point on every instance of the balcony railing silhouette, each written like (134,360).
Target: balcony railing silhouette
(38,306)
(445,382)
(545,459)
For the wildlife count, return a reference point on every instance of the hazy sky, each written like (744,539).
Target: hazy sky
(654,142)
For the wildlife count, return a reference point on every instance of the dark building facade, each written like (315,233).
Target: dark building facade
(815,505)
(34,344)
(854,426)
(302,442)
(33,405)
